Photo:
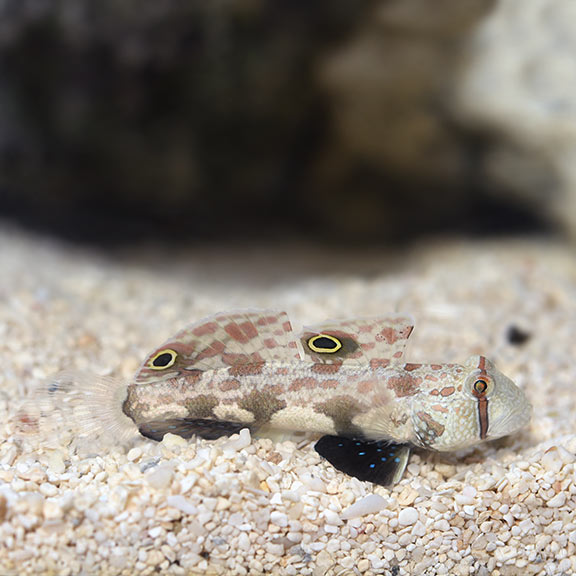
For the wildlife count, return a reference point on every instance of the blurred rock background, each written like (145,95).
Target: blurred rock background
(332,120)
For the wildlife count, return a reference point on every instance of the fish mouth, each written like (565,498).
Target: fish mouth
(510,421)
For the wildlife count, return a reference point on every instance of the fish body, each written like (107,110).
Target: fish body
(344,380)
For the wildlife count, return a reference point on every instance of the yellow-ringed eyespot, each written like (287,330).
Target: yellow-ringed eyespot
(480,387)
(324,344)
(163,359)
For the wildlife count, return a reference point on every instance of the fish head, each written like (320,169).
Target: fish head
(475,403)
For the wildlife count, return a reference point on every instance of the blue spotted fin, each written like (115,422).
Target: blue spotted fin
(381,462)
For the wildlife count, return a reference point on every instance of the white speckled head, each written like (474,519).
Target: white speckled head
(476,403)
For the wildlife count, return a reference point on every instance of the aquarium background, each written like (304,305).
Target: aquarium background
(328,121)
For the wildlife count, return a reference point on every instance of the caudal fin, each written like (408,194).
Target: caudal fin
(77,409)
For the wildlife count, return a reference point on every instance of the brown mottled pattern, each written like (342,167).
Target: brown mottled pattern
(205,329)
(328,384)
(246,369)
(447,391)
(270,343)
(230,384)
(263,404)
(326,368)
(379,363)
(299,383)
(192,376)
(366,386)
(235,358)
(388,334)
(276,389)
(183,348)
(202,406)
(242,332)
(404,385)
(439,408)
(215,349)
(433,428)
(409,367)
(341,409)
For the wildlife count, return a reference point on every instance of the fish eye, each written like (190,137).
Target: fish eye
(163,359)
(480,386)
(324,343)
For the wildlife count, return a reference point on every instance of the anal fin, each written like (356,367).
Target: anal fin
(188,427)
(381,462)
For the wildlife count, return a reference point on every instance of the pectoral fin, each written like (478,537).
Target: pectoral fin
(380,462)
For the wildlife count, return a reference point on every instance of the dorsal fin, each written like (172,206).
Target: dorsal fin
(227,340)
(359,341)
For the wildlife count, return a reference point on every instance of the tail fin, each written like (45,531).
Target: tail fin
(80,410)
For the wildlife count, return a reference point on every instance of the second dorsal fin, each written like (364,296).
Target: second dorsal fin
(360,341)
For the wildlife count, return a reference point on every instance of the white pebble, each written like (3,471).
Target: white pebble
(296,537)
(408,516)
(56,462)
(172,441)
(442,525)
(275,549)
(363,565)
(160,477)
(419,529)
(52,510)
(134,454)
(236,443)
(332,518)
(370,504)
(315,483)
(276,498)
(48,489)
(180,503)
(557,501)
(469,491)
(244,541)
(279,518)
(467,496)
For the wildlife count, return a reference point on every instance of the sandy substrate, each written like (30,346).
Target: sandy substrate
(255,506)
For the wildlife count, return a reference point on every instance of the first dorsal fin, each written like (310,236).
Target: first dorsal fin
(360,341)
(234,340)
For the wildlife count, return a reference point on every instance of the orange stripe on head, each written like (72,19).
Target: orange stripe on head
(483,417)
(482,401)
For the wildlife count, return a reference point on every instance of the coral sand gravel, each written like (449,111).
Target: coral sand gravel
(245,505)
